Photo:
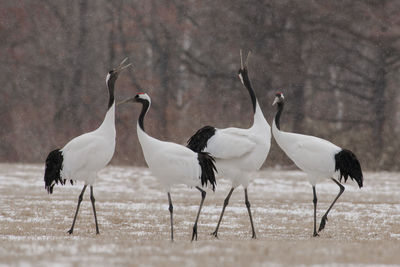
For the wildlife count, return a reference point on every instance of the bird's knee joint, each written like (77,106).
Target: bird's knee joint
(315,200)
(80,198)
(203,194)
(171,208)
(226,202)
(247,204)
(92,199)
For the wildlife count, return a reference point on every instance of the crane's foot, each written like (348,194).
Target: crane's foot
(194,234)
(254,235)
(70,231)
(315,234)
(324,219)
(215,234)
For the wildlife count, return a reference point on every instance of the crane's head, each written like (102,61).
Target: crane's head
(140,97)
(243,68)
(279,98)
(112,75)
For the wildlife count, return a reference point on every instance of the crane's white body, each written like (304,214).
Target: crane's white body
(85,155)
(313,155)
(169,162)
(238,152)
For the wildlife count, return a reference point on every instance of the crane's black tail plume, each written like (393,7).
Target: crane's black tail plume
(348,165)
(207,165)
(199,140)
(53,168)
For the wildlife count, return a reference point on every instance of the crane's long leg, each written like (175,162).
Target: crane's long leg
(94,209)
(226,202)
(324,218)
(248,209)
(203,196)
(77,209)
(171,210)
(315,211)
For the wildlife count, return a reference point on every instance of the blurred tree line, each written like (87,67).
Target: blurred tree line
(337,63)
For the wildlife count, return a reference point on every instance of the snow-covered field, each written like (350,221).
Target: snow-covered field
(363,227)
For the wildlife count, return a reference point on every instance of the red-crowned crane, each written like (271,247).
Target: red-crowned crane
(237,152)
(317,157)
(84,156)
(173,163)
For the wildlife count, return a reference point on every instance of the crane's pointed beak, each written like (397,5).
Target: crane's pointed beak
(121,66)
(126,100)
(241,59)
(247,59)
(276,100)
(242,66)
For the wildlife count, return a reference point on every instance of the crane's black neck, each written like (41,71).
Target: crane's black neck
(145,108)
(110,85)
(247,83)
(278,115)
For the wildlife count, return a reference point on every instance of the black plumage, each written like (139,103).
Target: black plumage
(348,165)
(207,165)
(246,81)
(198,142)
(53,169)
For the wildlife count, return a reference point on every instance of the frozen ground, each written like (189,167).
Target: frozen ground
(363,227)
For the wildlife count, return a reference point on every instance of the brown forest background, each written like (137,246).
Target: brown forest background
(337,62)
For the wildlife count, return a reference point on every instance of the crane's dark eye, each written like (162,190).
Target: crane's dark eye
(110,72)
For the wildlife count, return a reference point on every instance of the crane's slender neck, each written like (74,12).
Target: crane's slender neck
(145,108)
(278,115)
(247,83)
(110,85)
(109,119)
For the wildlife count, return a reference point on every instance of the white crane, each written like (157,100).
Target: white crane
(317,157)
(237,151)
(174,164)
(84,156)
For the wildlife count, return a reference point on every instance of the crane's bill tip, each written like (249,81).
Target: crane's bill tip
(126,66)
(123,61)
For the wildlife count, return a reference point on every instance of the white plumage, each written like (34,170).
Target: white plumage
(237,152)
(319,158)
(84,156)
(87,154)
(173,163)
(313,155)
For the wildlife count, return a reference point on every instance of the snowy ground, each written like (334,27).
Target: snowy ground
(363,227)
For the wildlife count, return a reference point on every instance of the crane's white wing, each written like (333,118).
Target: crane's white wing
(230,143)
(86,153)
(311,154)
(176,162)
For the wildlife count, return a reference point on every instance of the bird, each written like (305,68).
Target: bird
(172,163)
(85,155)
(318,158)
(237,151)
